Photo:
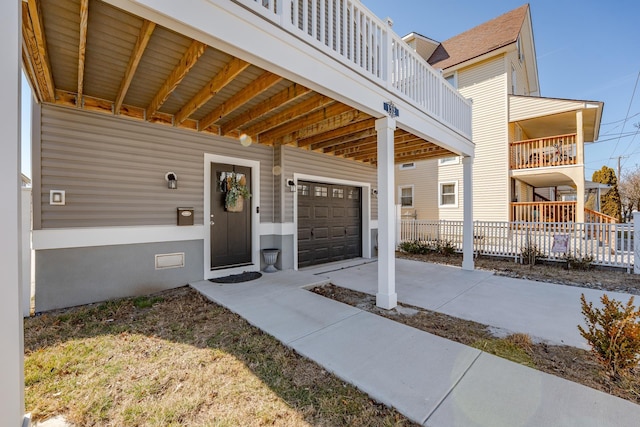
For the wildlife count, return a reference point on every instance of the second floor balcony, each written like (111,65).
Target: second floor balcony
(560,150)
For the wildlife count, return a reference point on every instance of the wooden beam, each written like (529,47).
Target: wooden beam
(371,148)
(410,155)
(82,46)
(134,60)
(33,33)
(278,100)
(230,71)
(353,138)
(331,118)
(295,114)
(315,142)
(188,60)
(255,88)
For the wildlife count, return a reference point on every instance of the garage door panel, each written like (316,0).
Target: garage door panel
(329,223)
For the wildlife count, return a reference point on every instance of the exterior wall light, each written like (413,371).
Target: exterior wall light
(172,180)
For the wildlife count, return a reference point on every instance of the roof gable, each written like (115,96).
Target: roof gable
(484,38)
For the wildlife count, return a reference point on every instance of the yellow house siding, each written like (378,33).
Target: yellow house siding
(526,108)
(425,191)
(486,83)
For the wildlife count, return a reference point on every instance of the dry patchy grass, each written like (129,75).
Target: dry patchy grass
(176,359)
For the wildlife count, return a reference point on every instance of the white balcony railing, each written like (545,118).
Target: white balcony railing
(350,33)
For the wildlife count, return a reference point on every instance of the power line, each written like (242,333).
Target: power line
(628,111)
(621,120)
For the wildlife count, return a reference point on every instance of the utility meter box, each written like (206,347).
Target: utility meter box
(185,216)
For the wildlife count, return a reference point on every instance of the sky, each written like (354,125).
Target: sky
(587,50)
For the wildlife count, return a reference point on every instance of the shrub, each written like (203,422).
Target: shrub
(445,247)
(531,254)
(613,332)
(578,262)
(414,247)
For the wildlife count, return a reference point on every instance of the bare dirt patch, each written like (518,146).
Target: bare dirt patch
(176,359)
(563,361)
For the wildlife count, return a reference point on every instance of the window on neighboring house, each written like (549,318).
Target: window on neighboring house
(514,80)
(405,166)
(406,196)
(448,194)
(449,161)
(519,48)
(453,80)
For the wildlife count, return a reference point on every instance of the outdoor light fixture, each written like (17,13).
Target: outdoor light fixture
(172,180)
(292,185)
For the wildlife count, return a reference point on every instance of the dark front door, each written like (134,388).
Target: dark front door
(329,223)
(230,231)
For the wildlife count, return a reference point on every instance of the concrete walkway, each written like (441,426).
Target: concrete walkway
(547,312)
(431,380)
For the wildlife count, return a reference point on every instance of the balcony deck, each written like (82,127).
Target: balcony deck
(553,151)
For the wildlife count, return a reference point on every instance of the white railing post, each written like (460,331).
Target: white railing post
(284,9)
(636,243)
(387,59)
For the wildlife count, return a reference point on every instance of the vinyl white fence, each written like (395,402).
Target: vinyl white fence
(608,244)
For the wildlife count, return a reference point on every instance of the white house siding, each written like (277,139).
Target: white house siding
(297,161)
(486,84)
(522,83)
(113,169)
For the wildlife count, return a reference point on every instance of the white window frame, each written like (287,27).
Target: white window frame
(452,160)
(440,185)
(413,193)
(407,166)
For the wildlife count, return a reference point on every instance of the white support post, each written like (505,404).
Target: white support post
(636,243)
(386,297)
(467,226)
(579,138)
(398,224)
(11,335)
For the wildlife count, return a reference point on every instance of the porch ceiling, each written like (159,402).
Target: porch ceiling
(90,55)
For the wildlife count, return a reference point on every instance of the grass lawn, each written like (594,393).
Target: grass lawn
(177,359)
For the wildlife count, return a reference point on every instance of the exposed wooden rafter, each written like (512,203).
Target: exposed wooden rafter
(291,114)
(317,141)
(255,88)
(325,120)
(188,60)
(229,72)
(82,46)
(33,34)
(134,60)
(351,138)
(281,99)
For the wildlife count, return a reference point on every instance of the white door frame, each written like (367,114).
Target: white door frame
(365,201)
(255,216)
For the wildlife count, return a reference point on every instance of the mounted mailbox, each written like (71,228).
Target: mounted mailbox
(185,216)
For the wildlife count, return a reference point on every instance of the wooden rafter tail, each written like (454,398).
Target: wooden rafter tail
(279,100)
(82,46)
(35,41)
(257,87)
(188,60)
(134,60)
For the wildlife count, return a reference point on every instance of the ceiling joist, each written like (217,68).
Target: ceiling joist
(34,36)
(188,60)
(319,141)
(229,72)
(82,46)
(279,100)
(258,86)
(341,115)
(134,60)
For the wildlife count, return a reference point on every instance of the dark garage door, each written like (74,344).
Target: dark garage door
(329,223)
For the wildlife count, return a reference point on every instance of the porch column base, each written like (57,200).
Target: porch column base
(387,301)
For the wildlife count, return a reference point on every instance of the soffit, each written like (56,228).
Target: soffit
(129,67)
